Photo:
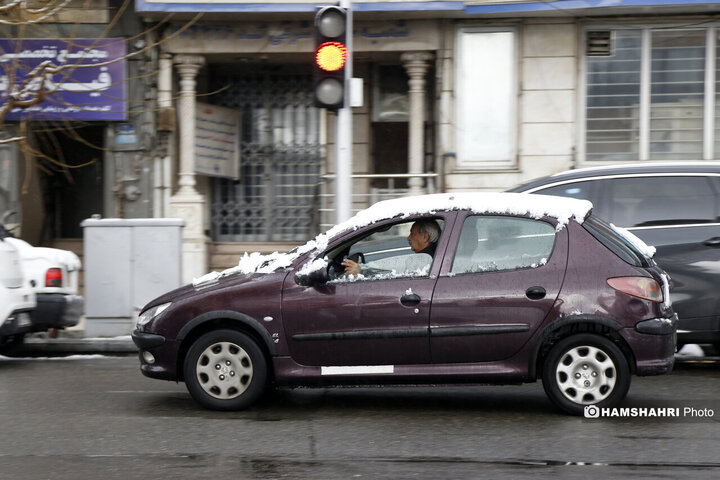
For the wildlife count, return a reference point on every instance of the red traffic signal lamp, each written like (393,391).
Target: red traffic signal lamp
(330,57)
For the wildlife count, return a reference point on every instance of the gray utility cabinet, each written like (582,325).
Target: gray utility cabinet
(128,262)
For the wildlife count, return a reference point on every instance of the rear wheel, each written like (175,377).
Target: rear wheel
(12,346)
(225,370)
(584,370)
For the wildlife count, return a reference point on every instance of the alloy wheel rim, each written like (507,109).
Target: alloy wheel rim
(586,375)
(224,370)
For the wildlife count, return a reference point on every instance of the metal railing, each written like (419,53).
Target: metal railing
(368,188)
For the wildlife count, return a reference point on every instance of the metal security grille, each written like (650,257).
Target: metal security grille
(653,97)
(613,94)
(276,197)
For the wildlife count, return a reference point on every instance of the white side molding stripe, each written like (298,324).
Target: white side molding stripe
(358,370)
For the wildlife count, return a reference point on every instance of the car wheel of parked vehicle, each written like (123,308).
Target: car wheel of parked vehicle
(225,370)
(13,346)
(584,370)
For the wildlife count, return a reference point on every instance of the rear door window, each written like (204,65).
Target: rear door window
(497,243)
(663,200)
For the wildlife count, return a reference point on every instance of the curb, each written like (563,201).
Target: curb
(80,345)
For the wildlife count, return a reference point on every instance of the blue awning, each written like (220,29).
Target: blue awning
(564,5)
(457,8)
(169,6)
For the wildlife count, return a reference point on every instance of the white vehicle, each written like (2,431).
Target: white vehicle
(53,274)
(17,298)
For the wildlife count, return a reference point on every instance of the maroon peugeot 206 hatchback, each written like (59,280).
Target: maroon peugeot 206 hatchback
(438,289)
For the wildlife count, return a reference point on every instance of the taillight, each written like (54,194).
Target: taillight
(53,277)
(641,287)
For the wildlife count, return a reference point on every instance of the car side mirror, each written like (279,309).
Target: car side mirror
(313,274)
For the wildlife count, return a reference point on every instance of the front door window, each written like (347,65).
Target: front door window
(388,253)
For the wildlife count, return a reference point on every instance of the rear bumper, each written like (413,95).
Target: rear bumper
(57,311)
(18,322)
(654,343)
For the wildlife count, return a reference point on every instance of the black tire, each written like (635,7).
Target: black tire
(13,346)
(583,370)
(225,370)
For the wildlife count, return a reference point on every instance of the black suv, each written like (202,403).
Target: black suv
(672,206)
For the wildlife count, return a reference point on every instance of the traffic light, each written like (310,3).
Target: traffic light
(330,57)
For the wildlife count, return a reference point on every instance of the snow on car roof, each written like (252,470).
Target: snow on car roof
(535,206)
(539,206)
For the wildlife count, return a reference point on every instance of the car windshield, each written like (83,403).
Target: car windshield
(619,245)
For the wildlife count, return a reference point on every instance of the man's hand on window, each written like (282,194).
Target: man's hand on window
(351,267)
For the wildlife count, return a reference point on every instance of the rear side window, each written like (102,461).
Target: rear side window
(496,243)
(666,200)
(617,244)
(581,190)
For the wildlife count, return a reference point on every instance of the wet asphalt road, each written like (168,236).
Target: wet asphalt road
(96,417)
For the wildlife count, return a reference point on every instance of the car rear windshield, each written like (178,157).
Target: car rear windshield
(616,243)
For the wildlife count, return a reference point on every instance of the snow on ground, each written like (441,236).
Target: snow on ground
(54,359)
(691,350)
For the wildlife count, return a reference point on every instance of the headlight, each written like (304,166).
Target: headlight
(151,313)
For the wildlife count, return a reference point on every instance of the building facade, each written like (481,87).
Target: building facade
(77,117)
(457,96)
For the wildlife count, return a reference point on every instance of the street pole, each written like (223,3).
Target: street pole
(343,157)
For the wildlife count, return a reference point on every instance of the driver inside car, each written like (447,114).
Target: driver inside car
(423,239)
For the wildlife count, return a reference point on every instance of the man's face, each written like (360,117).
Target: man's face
(418,241)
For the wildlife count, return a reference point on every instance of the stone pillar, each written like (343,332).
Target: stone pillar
(416,64)
(165,135)
(188,204)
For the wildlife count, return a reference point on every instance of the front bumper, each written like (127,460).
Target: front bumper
(147,341)
(163,352)
(56,310)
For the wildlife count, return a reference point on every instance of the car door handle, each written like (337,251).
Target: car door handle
(535,293)
(410,299)
(712,242)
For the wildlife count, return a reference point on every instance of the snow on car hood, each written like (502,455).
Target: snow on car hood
(535,206)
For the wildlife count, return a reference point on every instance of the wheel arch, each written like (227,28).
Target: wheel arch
(575,324)
(220,319)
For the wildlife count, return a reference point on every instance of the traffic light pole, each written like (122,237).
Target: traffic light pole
(343,157)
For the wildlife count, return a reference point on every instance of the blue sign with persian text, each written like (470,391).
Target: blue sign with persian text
(63,79)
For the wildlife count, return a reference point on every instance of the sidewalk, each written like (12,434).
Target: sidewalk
(80,345)
(73,341)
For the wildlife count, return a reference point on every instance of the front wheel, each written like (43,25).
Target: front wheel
(225,370)
(584,370)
